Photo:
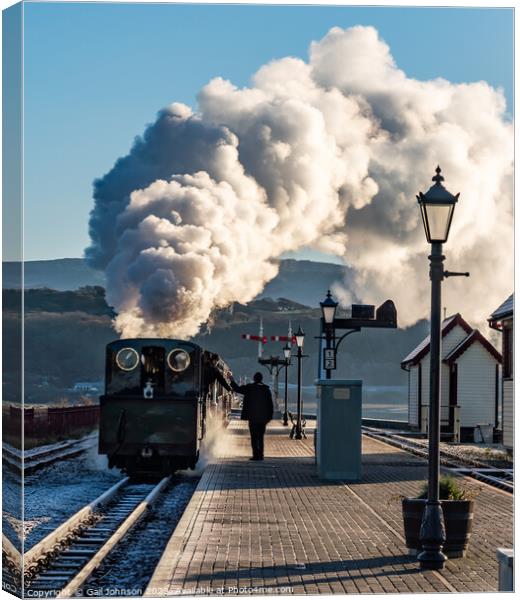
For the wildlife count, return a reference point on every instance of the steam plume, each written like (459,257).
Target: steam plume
(327,154)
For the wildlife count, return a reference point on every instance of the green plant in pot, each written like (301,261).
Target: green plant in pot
(457,507)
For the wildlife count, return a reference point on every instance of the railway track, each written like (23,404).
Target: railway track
(496,477)
(35,458)
(61,563)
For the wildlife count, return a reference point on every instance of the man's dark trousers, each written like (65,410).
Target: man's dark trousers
(257,431)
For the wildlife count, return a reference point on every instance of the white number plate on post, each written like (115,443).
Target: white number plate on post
(329,360)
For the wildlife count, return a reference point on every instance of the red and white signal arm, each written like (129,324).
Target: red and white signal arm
(256,338)
(283,338)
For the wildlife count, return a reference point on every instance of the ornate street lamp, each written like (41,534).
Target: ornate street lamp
(300,336)
(328,311)
(287,355)
(437,207)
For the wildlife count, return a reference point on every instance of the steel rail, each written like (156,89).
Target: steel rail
(487,476)
(137,514)
(470,462)
(34,458)
(66,529)
(13,555)
(447,461)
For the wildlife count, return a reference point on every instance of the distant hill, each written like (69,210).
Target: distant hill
(62,274)
(66,333)
(303,281)
(89,299)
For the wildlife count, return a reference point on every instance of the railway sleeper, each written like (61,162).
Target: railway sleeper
(60,572)
(74,551)
(69,563)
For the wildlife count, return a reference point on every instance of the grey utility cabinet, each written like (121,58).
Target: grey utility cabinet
(338,437)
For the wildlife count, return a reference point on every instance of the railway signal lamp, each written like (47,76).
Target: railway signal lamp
(437,207)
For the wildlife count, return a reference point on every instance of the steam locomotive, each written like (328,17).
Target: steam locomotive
(160,395)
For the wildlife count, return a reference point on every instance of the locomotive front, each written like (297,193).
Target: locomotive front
(152,412)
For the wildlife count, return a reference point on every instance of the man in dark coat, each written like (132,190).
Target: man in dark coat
(257,408)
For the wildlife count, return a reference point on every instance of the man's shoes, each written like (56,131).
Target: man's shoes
(255,458)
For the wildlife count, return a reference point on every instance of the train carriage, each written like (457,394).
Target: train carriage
(159,396)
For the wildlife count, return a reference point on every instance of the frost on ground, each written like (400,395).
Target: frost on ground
(62,445)
(491,455)
(494,456)
(23,528)
(56,492)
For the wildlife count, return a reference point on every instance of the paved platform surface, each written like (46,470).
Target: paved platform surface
(273,527)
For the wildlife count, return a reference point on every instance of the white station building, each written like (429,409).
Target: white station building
(470,383)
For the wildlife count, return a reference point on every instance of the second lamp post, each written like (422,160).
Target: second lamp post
(437,207)
(287,355)
(300,336)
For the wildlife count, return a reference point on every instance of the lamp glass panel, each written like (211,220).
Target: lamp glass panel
(299,340)
(287,352)
(437,221)
(328,313)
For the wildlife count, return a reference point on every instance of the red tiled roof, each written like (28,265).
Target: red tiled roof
(423,348)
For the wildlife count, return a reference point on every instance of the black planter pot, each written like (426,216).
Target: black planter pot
(458,520)
(412,516)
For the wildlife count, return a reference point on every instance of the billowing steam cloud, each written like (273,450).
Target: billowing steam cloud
(326,154)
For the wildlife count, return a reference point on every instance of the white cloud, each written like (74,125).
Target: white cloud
(327,154)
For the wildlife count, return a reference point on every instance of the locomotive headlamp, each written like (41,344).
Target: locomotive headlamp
(178,360)
(127,359)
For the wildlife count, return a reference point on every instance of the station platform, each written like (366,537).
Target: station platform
(274,527)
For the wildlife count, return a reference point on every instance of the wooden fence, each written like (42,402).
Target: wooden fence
(49,420)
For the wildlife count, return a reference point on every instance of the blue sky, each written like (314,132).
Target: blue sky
(96,74)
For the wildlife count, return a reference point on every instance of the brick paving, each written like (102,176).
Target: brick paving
(273,527)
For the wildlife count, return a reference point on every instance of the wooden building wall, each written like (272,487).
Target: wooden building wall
(476,386)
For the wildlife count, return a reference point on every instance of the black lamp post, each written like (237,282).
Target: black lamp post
(274,364)
(300,336)
(287,354)
(328,310)
(437,207)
